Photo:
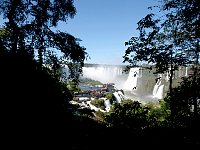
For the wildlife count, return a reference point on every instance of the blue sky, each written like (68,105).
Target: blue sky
(104,26)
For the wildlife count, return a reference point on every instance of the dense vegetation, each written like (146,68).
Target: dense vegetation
(99,103)
(90,82)
(34,100)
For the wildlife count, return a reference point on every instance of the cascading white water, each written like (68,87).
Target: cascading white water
(117,97)
(121,95)
(107,104)
(186,71)
(106,74)
(102,73)
(131,82)
(159,94)
(167,77)
(158,88)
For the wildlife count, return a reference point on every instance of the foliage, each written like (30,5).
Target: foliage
(33,99)
(183,99)
(98,103)
(134,115)
(167,41)
(4,33)
(158,114)
(187,17)
(30,95)
(127,114)
(30,25)
(86,112)
(99,115)
(153,45)
(111,97)
(73,87)
(87,81)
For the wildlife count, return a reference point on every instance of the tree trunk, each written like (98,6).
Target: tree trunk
(194,79)
(172,103)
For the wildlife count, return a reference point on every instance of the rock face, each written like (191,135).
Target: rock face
(144,82)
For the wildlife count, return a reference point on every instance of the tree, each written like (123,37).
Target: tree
(158,114)
(155,45)
(31,24)
(72,86)
(99,103)
(127,114)
(168,41)
(187,15)
(33,99)
(186,108)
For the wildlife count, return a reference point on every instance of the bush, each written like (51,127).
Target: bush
(111,97)
(98,103)
(127,114)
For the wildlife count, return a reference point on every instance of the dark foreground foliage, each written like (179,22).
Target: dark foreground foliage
(36,114)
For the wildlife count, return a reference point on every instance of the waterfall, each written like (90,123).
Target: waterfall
(137,84)
(104,74)
(131,82)
(107,104)
(158,88)
(121,95)
(167,77)
(186,71)
(117,97)
(159,94)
